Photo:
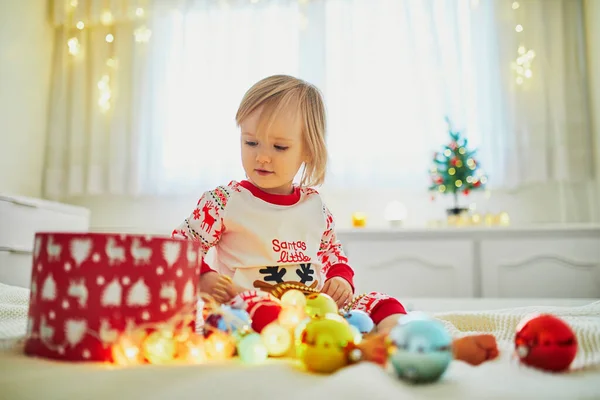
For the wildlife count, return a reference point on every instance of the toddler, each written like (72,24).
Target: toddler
(267,231)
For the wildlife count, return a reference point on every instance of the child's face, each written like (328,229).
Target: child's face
(272,159)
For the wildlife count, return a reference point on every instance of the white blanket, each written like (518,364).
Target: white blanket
(27,378)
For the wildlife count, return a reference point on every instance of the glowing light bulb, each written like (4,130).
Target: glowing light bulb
(252,349)
(291,316)
(74,46)
(519,28)
(293,298)
(80,25)
(219,346)
(276,339)
(515,5)
(139,12)
(159,347)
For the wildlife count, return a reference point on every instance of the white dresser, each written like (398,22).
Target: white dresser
(20,219)
(528,262)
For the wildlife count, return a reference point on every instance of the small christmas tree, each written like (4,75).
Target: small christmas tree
(455,170)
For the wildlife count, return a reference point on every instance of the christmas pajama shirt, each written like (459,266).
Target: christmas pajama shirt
(262,240)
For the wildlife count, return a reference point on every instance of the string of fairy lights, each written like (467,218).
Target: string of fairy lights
(523,62)
(76,27)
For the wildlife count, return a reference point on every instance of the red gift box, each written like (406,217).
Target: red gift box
(87,289)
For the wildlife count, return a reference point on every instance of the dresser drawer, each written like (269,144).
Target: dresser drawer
(22,217)
(15,267)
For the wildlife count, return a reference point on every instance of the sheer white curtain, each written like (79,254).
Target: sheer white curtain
(391,70)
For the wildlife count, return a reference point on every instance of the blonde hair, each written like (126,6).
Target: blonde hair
(281,93)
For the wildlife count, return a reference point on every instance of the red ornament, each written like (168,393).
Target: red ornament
(454,161)
(545,342)
(477,184)
(453,145)
(466,192)
(262,313)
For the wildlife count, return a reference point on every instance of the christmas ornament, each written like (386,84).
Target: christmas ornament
(293,298)
(324,344)
(545,342)
(277,339)
(262,313)
(421,350)
(360,320)
(319,304)
(251,349)
(159,347)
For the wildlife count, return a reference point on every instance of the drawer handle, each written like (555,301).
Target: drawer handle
(15,251)
(23,203)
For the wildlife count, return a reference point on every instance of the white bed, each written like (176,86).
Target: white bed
(28,378)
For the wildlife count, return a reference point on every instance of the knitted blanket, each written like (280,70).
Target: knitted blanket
(584,320)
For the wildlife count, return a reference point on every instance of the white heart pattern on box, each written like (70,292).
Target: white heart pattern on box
(80,250)
(170,251)
(75,330)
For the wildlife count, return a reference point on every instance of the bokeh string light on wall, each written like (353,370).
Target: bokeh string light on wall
(79,17)
(523,63)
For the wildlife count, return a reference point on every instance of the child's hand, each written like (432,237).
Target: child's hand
(339,289)
(475,349)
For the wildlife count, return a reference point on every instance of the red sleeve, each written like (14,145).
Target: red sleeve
(205,223)
(331,254)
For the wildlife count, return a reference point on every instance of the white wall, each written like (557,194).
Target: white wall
(25,58)
(592,23)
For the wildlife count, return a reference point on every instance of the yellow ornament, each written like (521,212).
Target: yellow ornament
(320,304)
(323,345)
(159,347)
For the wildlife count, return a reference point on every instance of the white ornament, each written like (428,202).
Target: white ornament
(139,294)
(46,331)
(112,294)
(107,334)
(168,292)
(49,288)
(80,250)
(115,254)
(53,249)
(78,290)
(170,251)
(188,293)
(75,331)
(140,254)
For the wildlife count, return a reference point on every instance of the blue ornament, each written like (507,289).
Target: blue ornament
(360,320)
(422,350)
(233,319)
(229,320)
